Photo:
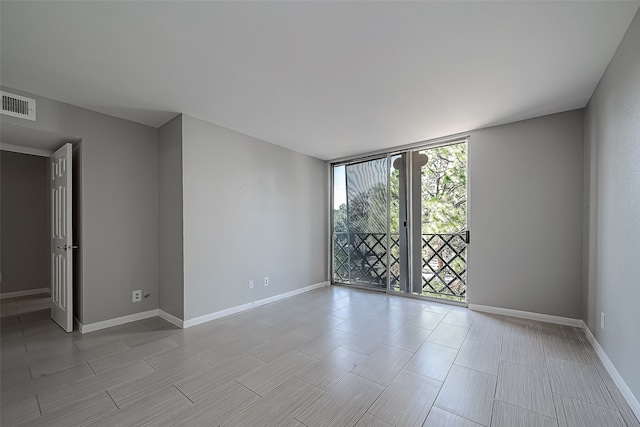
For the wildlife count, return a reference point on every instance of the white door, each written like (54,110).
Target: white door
(61,239)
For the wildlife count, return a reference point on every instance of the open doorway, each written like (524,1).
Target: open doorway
(25,230)
(29,206)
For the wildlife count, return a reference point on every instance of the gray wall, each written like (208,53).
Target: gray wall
(24,207)
(526,216)
(118,234)
(170,234)
(612,135)
(251,209)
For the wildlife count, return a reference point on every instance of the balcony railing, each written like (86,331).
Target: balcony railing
(361,258)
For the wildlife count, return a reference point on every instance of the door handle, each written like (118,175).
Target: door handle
(67,247)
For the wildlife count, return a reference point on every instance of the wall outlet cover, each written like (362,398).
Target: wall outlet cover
(137,296)
(266,281)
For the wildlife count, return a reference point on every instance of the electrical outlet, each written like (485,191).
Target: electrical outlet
(137,296)
(266,280)
(250,284)
(602,319)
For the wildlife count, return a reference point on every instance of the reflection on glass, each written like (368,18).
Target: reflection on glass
(360,223)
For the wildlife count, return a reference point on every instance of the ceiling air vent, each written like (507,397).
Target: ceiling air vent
(18,106)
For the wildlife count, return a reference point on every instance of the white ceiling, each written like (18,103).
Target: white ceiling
(328,79)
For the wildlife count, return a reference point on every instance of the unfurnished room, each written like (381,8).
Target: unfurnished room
(320,213)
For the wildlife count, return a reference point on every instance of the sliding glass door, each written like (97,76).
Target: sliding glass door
(428,193)
(360,219)
(400,222)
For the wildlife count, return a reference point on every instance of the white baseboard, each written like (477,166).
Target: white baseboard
(527,315)
(250,305)
(218,314)
(24,293)
(117,321)
(171,318)
(613,372)
(91,327)
(290,294)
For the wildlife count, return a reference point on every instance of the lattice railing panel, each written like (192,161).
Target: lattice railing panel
(444,265)
(341,257)
(362,258)
(368,258)
(394,261)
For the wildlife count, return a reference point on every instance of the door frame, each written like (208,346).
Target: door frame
(49,154)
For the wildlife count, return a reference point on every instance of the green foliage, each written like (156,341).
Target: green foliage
(394,206)
(340,219)
(367,212)
(444,190)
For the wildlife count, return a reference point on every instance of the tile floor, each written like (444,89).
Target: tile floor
(25,304)
(331,357)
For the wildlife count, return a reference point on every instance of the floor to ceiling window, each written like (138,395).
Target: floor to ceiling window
(400,221)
